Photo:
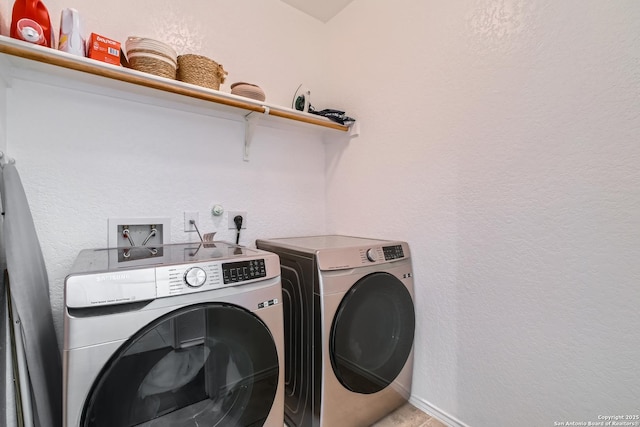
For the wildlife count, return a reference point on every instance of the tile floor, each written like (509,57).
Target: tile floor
(409,416)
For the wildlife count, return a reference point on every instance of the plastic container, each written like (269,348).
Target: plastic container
(71,39)
(30,22)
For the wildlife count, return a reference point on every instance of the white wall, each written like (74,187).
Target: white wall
(500,138)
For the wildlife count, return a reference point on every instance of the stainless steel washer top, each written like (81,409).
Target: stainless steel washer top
(115,276)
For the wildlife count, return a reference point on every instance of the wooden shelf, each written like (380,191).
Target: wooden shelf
(20,54)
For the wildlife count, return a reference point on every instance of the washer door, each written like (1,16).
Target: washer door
(209,364)
(372,333)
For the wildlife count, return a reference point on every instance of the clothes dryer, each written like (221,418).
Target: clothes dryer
(179,335)
(349,328)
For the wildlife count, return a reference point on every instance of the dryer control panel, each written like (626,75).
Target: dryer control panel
(344,258)
(381,253)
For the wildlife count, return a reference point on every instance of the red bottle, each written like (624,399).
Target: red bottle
(30,22)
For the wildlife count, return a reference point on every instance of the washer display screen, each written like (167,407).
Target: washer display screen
(243,270)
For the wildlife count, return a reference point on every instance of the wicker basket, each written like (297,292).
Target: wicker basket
(200,70)
(153,63)
(151,56)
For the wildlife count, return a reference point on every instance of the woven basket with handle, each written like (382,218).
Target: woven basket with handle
(200,70)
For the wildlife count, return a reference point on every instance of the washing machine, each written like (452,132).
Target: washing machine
(179,335)
(349,328)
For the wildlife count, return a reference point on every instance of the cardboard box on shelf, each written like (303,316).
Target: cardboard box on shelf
(104,49)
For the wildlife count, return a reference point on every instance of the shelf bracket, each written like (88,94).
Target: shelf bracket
(250,121)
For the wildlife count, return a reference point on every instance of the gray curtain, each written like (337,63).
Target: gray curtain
(29,286)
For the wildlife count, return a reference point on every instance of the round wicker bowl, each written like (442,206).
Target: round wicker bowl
(200,70)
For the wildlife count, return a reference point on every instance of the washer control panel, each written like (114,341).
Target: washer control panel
(188,278)
(99,279)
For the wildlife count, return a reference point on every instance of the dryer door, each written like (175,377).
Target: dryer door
(372,333)
(203,365)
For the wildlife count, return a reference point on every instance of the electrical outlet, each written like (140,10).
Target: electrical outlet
(188,217)
(233,214)
(125,232)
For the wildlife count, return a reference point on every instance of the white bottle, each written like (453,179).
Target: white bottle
(71,39)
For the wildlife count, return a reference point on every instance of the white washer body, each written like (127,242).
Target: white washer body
(189,334)
(362,320)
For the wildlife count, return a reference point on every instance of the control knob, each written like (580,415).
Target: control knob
(195,277)
(371,255)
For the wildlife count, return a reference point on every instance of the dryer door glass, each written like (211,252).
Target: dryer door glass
(203,365)
(372,333)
